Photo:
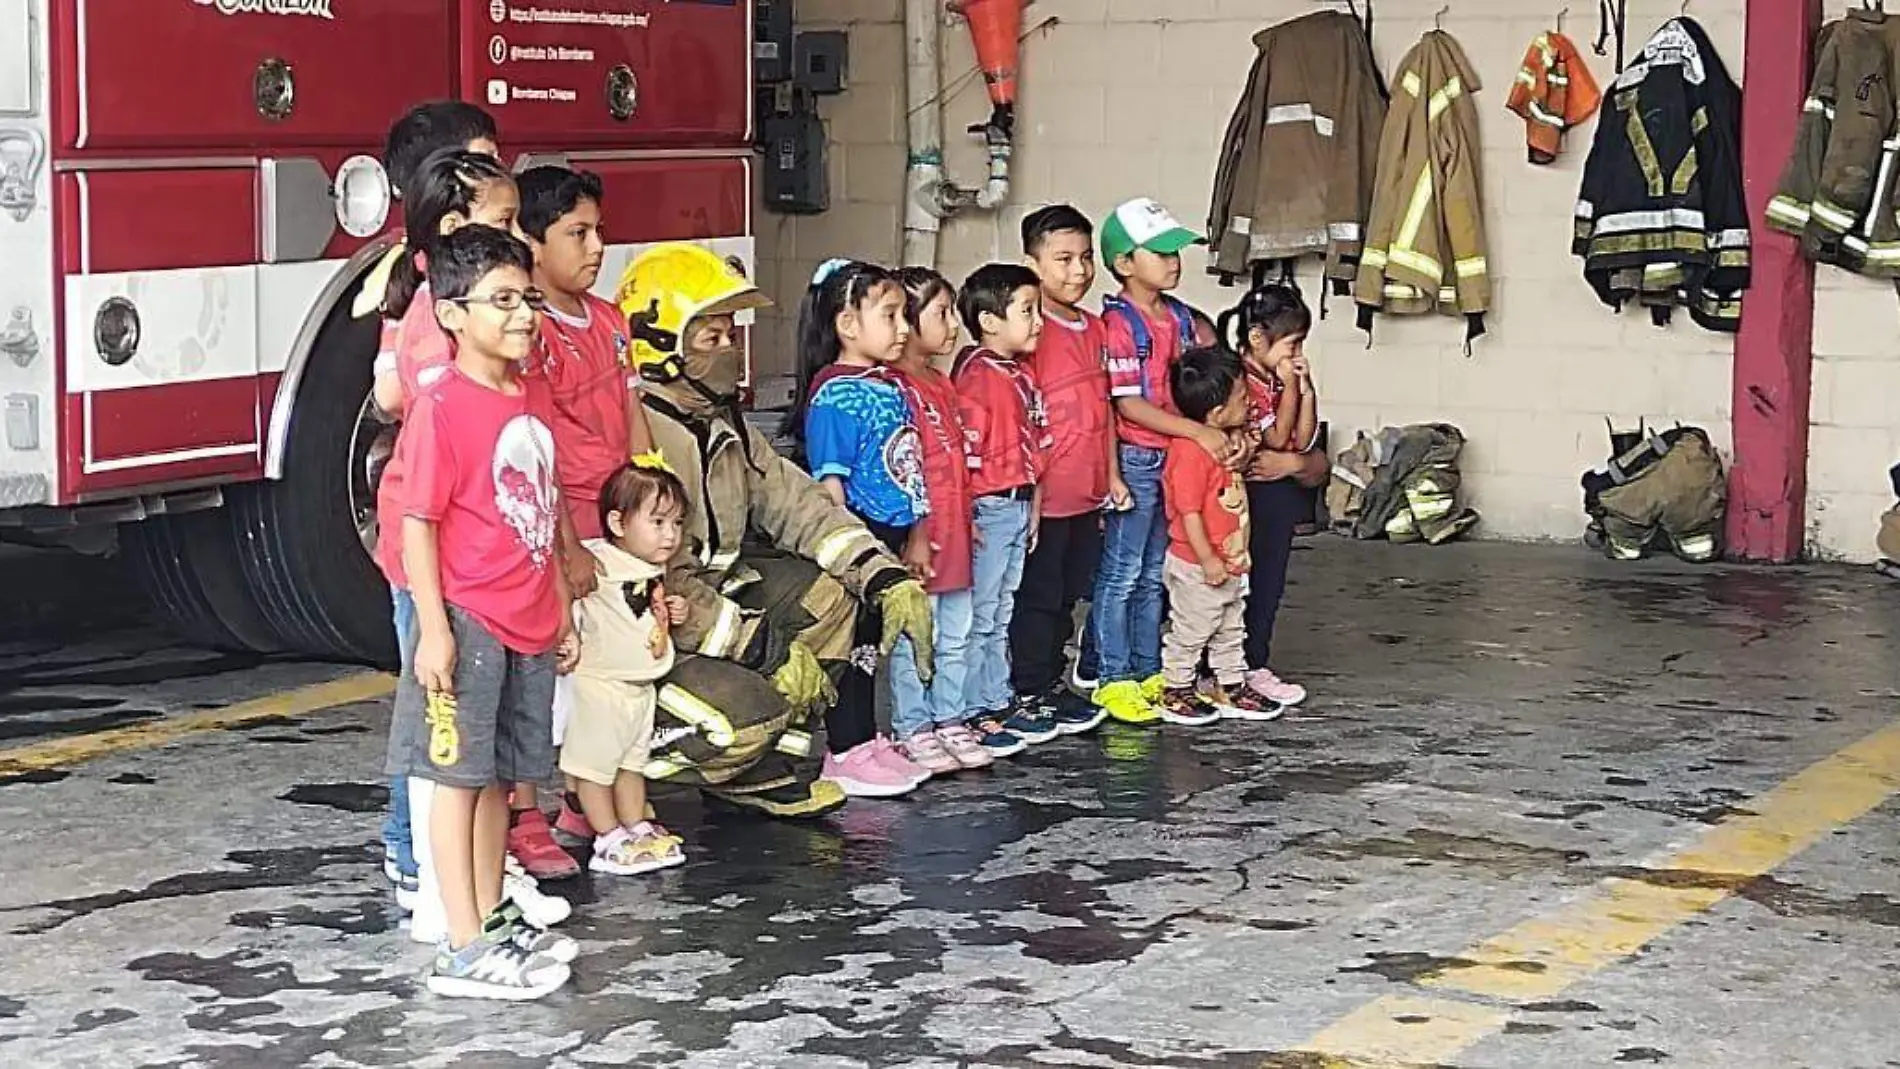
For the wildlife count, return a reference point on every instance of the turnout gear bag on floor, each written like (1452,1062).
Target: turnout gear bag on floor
(1666,489)
(1403,484)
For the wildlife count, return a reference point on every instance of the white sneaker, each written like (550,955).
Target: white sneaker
(429,923)
(496,969)
(541,909)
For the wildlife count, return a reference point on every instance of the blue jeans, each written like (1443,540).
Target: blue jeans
(1002,536)
(918,706)
(1126,614)
(398,840)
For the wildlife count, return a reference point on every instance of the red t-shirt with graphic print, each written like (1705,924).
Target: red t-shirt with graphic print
(1194,482)
(933,407)
(1071,366)
(585,363)
(1130,376)
(481,467)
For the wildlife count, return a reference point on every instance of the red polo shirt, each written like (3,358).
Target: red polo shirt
(933,406)
(1003,420)
(1071,367)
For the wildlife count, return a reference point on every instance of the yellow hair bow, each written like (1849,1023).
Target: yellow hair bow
(655,461)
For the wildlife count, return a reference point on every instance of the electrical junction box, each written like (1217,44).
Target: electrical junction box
(774,40)
(795,181)
(822,62)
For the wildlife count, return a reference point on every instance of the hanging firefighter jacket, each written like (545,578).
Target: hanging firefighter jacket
(1667,488)
(1660,217)
(1295,171)
(1554,92)
(1839,191)
(1425,247)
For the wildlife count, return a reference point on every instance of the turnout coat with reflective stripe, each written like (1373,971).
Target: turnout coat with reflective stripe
(1425,244)
(737,483)
(1660,217)
(1554,91)
(1296,167)
(1839,191)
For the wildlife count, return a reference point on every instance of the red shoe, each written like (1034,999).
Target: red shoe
(531,841)
(571,828)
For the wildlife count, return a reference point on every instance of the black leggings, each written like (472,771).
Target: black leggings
(1274,510)
(853,721)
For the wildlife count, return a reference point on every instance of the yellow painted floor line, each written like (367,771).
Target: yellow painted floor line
(1543,957)
(57,753)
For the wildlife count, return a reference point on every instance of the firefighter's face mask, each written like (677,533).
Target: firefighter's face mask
(712,356)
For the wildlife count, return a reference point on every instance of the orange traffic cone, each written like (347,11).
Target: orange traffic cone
(996,27)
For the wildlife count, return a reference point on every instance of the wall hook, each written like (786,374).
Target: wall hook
(1560,19)
(1438,20)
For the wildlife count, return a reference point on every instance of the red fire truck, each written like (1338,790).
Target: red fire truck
(189,200)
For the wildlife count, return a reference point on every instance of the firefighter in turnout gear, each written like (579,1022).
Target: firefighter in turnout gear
(771,623)
(1660,218)
(1425,247)
(1840,189)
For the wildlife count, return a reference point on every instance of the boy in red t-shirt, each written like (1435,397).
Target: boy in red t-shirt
(1147,331)
(1084,473)
(1008,432)
(480,508)
(1208,558)
(598,423)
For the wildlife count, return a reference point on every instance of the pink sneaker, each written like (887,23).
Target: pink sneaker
(571,828)
(963,745)
(899,762)
(1271,687)
(926,749)
(861,774)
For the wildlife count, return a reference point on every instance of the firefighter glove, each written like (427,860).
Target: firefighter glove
(906,610)
(803,683)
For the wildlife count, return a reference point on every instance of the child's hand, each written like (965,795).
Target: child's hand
(567,650)
(435,661)
(1299,367)
(583,571)
(1214,570)
(1216,442)
(675,609)
(1120,498)
(1272,465)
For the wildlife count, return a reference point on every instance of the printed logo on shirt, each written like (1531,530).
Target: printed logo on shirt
(523,470)
(904,459)
(621,346)
(1121,366)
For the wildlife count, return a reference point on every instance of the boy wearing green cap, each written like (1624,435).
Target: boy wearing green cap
(1148,330)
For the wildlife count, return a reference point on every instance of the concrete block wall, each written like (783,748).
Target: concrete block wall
(1122,98)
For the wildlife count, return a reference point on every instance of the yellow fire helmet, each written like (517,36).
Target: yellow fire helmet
(668,286)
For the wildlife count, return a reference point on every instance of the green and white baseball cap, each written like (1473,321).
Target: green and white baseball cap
(1143,223)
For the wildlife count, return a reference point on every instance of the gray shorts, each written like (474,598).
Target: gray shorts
(498,729)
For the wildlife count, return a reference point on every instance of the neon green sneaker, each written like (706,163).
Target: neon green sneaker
(1124,702)
(1153,688)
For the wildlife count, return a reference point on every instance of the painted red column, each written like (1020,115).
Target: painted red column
(1774,353)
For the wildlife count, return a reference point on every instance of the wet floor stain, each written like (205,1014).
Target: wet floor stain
(11,1007)
(1641,1054)
(150,672)
(132,779)
(1567,812)
(291,867)
(368,915)
(1341,777)
(349,797)
(1561,1006)
(1793,900)
(1405,968)
(246,974)
(1529,1028)
(21,728)
(90,1020)
(38,775)
(1425,845)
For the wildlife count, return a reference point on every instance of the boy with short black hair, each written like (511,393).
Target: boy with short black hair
(1148,330)
(1008,434)
(1083,475)
(480,507)
(1208,558)
(599,421)
(431,126)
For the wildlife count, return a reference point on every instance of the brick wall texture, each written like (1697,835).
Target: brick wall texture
(1122,98)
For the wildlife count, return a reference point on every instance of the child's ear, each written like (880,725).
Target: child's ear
(451,223)
(451,315)
(990,322)
(617,524)
(846,323)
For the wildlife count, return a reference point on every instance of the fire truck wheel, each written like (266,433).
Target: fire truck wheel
(188,567)
(297,536)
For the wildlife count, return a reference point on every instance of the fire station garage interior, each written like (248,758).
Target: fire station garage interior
(1596,612)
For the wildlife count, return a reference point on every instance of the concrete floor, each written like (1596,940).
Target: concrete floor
(1498,734)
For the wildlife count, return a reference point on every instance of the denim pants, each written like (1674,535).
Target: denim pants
(918,706)
(1002,537)
(397,837)
(1125,615)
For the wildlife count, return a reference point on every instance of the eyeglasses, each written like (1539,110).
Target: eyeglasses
(505,300)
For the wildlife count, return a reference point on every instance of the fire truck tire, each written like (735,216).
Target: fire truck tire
(297,536)
(188,567)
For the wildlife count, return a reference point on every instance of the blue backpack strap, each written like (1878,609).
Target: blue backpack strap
(1183,321)
(1116,308)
